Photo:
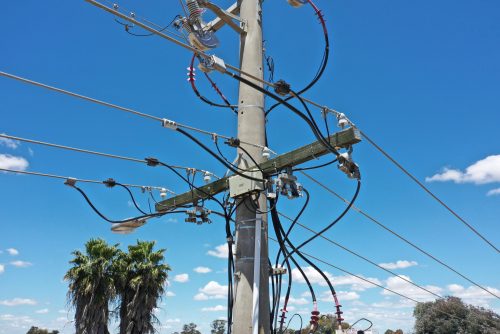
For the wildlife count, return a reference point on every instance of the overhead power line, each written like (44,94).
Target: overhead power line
(411,176)
(107,155)
(361,257)
(427,190)
(169,38)
(115,106)
(375,284)
(53,176)
(123,16)
(370,218)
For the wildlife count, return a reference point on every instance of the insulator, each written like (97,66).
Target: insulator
(194,10)
(186,25)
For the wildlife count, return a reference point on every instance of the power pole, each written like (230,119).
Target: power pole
(251,128)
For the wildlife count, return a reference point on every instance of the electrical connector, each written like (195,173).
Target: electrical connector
(71,182)
(233,142)
(348,166)
(152,162)
(287,185)
(211,63)
(281,87)
(166,123)
(110,183)
(198,215)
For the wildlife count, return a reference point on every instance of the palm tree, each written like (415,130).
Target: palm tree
(91,286)
(141,278)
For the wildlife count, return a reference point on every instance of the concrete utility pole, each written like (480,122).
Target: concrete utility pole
(251,128)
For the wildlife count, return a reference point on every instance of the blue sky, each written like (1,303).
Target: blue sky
(422,79)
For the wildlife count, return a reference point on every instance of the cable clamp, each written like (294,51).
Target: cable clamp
(166,123)
(211,63)
(281,87)
(70,181)
(110,183)
(215,137)
(233,142)
(152,162)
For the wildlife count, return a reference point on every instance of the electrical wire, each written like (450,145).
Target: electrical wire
(315,167)
(146,216)
(171,39)
(213,154)
(310,123)
(324,61)
(114,106)
(276,220)
(107,155)
(127,27)
(370,282)
(351,203)
(427,190)
(371,323)
(359,256)
(192,81)
(378,223)
(15,171)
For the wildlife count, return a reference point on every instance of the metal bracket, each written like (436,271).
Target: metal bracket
(224,17)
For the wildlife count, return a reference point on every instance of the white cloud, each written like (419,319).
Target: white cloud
(42,311)
(219,251)
(342,295)
(297,301)
(9,143)
(401,264)
(2,268)
(21,264)
(172,321)
(398,285)
(473,294)
(12,251)
(481,172)
(315,278)
(170,294)
(8,161)
(201,296)
(181,278)
(17,302)
(493,192)
(212,290)
(202,270)
(214,308)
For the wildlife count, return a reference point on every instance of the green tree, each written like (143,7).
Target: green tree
(218,327)
(451,315)
(36,330)
(141,275)
(189,329)
(91,286)
(389,331)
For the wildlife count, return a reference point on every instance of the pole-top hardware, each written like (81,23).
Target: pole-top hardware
(169,124)
(281,87)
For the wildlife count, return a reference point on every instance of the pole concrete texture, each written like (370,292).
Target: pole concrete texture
(251,128)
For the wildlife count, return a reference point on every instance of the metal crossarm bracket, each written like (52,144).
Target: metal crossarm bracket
(342,139)
(224,17)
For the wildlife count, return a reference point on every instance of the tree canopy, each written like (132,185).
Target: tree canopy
(451,315)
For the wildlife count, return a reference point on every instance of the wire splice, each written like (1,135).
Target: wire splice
(281,87)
